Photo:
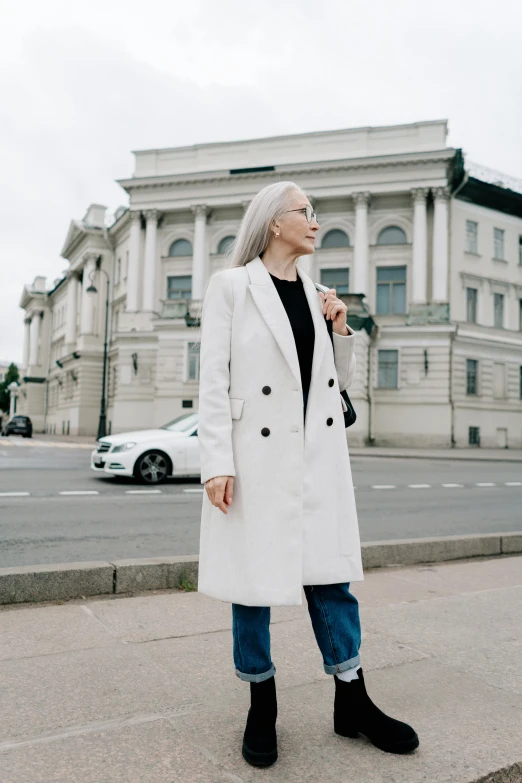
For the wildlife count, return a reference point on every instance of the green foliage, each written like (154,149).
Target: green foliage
(186,585)
(11,375)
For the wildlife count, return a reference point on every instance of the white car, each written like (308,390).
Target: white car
(151,455)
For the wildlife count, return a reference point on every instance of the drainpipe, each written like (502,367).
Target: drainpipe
(453,336)
(370,438)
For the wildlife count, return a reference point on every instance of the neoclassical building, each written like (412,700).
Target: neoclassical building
(425,248)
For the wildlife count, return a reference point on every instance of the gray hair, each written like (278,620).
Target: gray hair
(254,231)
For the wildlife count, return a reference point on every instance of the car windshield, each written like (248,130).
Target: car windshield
(183,423)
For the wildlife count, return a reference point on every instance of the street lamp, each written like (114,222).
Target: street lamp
(102,425)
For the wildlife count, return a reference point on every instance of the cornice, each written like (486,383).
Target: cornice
(413,162)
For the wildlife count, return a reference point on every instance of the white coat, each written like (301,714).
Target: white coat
(293,520)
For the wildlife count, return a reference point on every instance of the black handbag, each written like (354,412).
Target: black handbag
(349,414)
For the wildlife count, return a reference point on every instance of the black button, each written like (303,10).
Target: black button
(265,431)
(329,421)
(266,389)
(331,382)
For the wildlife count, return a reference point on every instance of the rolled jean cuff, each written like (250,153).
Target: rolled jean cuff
(343,667)
(256,677)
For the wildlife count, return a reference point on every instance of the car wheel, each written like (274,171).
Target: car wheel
(153,467)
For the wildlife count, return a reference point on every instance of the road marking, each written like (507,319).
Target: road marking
(485,484)
(143,492)
(513,483)
(79,492)
(419,486)
(194,490)
(384,486)
(14,494)
(453,485)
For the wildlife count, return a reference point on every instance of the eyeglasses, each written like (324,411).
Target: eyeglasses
(308,211)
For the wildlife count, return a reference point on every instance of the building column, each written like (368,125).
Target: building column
(72,310)
(149,270)
(420,246)
(34,339)
(199,259)
(440,246)
(88,300)
(360,250)
(27,340)
(133,271)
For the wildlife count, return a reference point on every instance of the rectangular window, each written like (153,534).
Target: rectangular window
(336,278)
(388,375)
(193,361)
(391,290)
(474,436)
(471,305)
(179,287)
(499,380)
(471,376)
(118,271)
(498,306)
(498,244)
(471,237)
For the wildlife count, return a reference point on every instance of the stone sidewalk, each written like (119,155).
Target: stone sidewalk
(143,688)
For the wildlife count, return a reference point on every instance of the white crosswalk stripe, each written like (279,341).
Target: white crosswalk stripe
(143,492)
(79,492)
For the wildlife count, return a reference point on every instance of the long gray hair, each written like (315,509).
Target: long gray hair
(254,231)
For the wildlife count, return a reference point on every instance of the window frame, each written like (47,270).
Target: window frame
(393,226)
(474,300)
(378,379)
(187,361)
(474,393)
(390,284)
(179,240)
(178,298)
(472,246)
(502,299)
(336,269)
(335,230)
(499,235)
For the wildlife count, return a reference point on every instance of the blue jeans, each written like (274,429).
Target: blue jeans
(334,613)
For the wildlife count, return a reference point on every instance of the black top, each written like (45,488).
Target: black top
(294,299)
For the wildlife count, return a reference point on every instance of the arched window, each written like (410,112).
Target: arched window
(392,235)
(336,238)
(181,247)
(225,244)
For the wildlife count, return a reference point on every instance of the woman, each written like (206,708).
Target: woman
(279,512)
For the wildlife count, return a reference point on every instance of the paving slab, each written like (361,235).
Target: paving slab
(143,688)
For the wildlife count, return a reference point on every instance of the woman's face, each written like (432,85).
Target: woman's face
(294,229)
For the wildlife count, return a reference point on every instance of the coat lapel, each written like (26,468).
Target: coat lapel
(270,306)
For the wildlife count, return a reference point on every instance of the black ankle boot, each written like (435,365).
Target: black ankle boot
(355,712)
(260,740)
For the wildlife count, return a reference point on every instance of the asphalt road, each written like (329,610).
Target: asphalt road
(396,498)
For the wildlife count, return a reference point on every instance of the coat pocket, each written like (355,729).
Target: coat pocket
(236,407)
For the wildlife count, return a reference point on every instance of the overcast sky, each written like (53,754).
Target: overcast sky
(83,84)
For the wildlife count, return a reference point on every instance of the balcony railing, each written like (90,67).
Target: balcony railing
(188,309)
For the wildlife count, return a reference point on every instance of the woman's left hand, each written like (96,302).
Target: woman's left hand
(335,309)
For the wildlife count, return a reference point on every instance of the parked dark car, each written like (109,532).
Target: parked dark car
(19,425)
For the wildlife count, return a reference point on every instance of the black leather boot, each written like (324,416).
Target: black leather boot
(260,740)
(355,713)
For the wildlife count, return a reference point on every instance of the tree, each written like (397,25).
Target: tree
(11,375)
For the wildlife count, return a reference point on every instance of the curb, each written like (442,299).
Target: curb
(460,454)
(65,581)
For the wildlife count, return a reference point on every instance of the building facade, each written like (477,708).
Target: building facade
(434,245)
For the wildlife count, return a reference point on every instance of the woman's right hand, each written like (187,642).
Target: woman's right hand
(220,490)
